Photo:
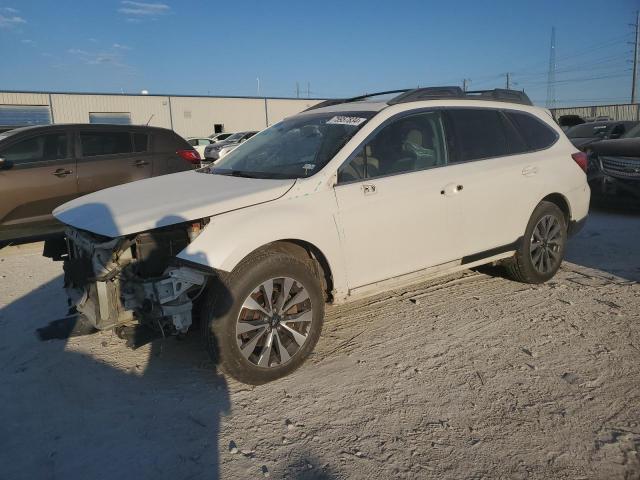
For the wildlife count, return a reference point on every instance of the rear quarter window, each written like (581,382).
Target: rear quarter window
(535,132)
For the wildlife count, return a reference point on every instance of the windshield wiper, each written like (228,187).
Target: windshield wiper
(235,173)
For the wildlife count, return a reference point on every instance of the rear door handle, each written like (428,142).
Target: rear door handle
(368,189)
(529,171)
(141,163)
(62,172)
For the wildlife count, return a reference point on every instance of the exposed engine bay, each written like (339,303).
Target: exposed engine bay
(133,280)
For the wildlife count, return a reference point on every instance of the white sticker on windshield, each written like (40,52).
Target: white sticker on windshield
(342,120)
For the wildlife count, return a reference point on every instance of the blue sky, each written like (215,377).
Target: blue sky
(341,48)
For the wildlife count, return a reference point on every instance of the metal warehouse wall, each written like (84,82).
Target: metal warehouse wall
(188,116)
(617,112)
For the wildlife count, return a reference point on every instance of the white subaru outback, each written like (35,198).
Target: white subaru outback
(341,201)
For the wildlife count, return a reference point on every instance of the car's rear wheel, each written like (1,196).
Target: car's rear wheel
(542,248)
(263,319)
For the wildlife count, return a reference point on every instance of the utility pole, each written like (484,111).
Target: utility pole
(551,76)
(308,89)
(634,78)
(258,87)
(297,89)
(508,82)
(465,84)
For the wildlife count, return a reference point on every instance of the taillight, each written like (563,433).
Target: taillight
(582,159)
(191,156)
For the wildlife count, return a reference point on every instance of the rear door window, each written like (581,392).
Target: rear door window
(53,146)
(105,143)
(140,142)
(536,133)
(478,134)
(515,141)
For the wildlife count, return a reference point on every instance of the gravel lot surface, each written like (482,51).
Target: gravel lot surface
(467,377)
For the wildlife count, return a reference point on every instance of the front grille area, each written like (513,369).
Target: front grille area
(621,166)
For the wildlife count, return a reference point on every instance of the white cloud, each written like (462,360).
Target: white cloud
(114,57)
(11,21)
(143,9)
(26,41)
(120,46)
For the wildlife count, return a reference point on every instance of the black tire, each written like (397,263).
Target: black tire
(521,268)
(223,305)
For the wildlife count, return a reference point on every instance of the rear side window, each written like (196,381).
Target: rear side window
(140,142)
(105,143)
(36,149)
(478,134)
(535,132)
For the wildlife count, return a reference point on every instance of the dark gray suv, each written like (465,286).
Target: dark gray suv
(43,167)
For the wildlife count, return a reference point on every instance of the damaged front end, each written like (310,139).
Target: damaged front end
(134,280)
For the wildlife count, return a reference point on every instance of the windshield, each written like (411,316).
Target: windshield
(588,130)
(633,133)
(234,138)
(294,148)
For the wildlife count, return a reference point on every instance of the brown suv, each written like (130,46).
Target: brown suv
(43,167)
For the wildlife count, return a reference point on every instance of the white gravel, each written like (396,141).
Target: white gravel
(468,377)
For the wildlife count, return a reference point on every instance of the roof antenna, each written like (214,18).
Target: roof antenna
(147,124)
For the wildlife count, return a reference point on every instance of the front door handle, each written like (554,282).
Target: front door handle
(62,172)
(141,163)
(529,171)
(368,189)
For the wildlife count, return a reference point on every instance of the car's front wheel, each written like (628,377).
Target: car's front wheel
(263,319)
(542,248)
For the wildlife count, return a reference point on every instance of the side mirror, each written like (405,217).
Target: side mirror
(5,164)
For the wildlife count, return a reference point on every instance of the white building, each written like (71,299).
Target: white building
(187,115)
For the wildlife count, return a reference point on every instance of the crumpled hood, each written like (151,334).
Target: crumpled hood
(166,200)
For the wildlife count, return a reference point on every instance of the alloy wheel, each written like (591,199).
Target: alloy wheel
(546,244)
(274,322)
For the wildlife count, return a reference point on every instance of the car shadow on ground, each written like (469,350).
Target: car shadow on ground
(96,417)
(102,410)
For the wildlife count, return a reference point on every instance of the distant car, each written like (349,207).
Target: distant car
(199,144)
(42,167)
(215,152)
(218,137)
(614,167)
(586,134)
(568,121)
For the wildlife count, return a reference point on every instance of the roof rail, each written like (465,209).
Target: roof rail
(437,93)
(501,95)
(337,101)
(427,93)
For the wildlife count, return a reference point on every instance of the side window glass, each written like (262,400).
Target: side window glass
(414,142)
(193,142)
(515,141)
(140,142)
(105,143)
(36,149)
(535,132)
(479,133)
(354,170)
